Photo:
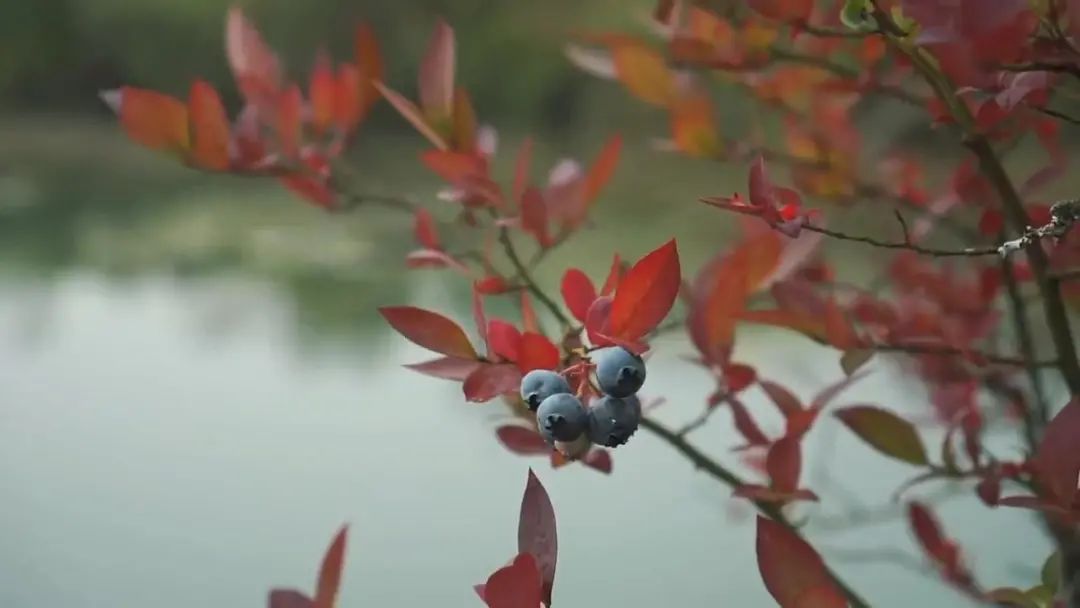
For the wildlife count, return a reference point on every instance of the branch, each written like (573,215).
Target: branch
(525,277)
(702,461)
(905,244)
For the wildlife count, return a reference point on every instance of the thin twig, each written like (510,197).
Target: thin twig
(526,278)
(905,244)
(703,462)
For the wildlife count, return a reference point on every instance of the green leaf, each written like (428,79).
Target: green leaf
(1010,596)
(857,15)
(1051,572)
(885,432)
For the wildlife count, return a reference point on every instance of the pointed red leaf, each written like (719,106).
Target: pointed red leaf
(504,338)
(536,532)
(613,278)
(602,169)
(289,598)
(535,351)
(646,293)
(347,101)
(209,128)
(784,463)
(288,124)
(424,229)
(463,123)
(598,321)
(521,170)
(326,591)
(941,550)
(454,167)
(430,330)
(491,380)
(369,63)
(1057,460)
(522,440)
(254,65)
(437,74)
(447,368)
(785,401)
(744,423)
(790,567)
(598,459)
(534,215)
(518,585)
(152,119)
(321,92)
(412,114)
(529,320)
(578,293)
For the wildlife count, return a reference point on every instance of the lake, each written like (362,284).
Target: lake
(196,390)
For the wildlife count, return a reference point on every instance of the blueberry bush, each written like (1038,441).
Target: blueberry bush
(985,75)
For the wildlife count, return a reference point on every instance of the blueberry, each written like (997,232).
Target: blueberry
(574,449)
(561,417)
(612,421)
(540,384)
(619,372)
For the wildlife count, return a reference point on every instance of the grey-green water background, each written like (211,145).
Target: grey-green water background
(196,389)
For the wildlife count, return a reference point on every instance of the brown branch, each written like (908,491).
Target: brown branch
(526,278)
(905,244)
(714,469)
(1042,66)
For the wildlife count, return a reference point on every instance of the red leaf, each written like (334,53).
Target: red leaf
(321,92)
(784,463)
(254,65)
(521,170)
(424,229)
(536,531)
(646,293)
(599,459)
(613,278)
(430,330)
(1057,460)
(598,321)
(787,403)
(491,380)
(602,169)
(369,62)
(578,293)
(152,119)
(790,567)
(412,114)
(288,121)
(745,424)
(942,551)
(522,440)
(518,585)
(347,102)
(480,319)
(528,314)
(534,216)
(437,74)
(447,368)
(289,598)
(783,10)
(209,128)
(454,167)
(504,339)
(535,351)
(326,591)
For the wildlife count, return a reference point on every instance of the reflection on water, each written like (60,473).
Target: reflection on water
(193,397)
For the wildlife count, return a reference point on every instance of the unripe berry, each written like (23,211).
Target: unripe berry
(561,417)
(619,372)
(539,384)
(612,421)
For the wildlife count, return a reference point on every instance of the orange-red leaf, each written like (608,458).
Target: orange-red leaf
(254,65)
(464,122)
(537,534)
(578,293)
(646,293)
(693,127)
(321,93)
(411,113)
(491,380)
(152,119)
(518,585)
(369,63)
(347,98)
(791,568)
(535,351)
(326,591)
(784,463)
(521,170)
(602,169)
(529,320)
(522,440)
(613,278)
(424,229)
(289,110)
(430,330)
(447,368)
(437,74)
(534,216)
(642,69)
(454,167)
(209,128)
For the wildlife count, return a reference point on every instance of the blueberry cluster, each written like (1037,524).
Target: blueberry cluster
(609,420)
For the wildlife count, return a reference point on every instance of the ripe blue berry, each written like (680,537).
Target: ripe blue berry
(612,421)
(619,372)
(561,417)
(540,384)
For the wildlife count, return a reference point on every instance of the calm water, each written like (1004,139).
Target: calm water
(191,402)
